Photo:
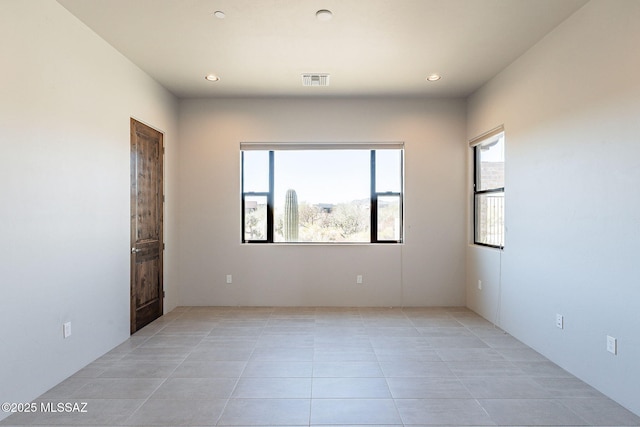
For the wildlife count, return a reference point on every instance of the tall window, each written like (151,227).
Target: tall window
(322,193)
(488,188)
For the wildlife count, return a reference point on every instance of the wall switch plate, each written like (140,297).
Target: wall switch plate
(480,284)
(66,329)
(359,279)
(560,321)
(229,278)
(612,345)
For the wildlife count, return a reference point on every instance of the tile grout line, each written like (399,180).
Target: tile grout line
(240,376)
(164,379)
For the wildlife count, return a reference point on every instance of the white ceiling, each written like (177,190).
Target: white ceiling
(370,47)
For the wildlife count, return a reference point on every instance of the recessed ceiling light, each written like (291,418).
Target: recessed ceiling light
(324,15)
(219,14)
(434,78)
(212,77)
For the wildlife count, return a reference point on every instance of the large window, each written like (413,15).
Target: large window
(489,189)
(322,193)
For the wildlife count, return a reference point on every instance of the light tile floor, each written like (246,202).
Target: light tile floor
(206,366)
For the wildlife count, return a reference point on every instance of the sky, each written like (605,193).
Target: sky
(322,176)
(495,153)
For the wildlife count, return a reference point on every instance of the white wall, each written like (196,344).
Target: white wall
(427,270)
(65,102)
(571,111)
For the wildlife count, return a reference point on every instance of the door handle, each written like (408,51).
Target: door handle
(134,250)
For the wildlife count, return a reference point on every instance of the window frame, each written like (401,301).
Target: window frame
(374,194)
(269,194)
(476,144)
(374,202)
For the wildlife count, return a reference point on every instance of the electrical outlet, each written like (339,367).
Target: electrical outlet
(359,279)
(612,345)
(560,321)
(66,329)
(229,278)
(479,284)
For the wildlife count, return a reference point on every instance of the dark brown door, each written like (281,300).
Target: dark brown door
(146,225)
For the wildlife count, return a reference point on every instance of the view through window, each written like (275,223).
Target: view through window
(489,191)
(322,194)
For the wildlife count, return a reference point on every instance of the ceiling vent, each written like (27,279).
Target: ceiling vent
(315,80)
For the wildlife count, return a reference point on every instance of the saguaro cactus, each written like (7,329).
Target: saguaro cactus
(290,226)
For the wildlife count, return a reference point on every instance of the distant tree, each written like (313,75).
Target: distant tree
(308,214)
(254,225)
(343,222)
(349,218)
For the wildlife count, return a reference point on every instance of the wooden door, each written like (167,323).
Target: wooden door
(147,246)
